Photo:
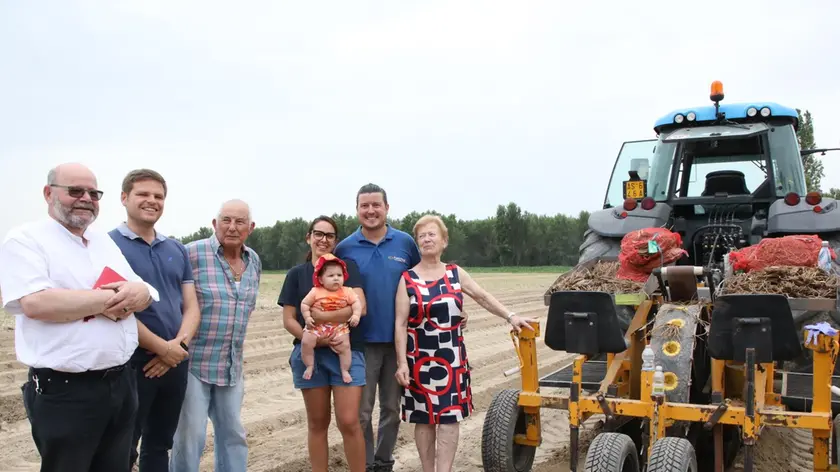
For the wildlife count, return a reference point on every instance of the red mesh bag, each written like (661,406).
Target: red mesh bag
(798,250)
(636,263)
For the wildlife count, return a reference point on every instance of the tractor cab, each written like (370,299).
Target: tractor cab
(704,154)
(686,375)
(730,173)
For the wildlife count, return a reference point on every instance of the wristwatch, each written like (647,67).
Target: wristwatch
(509,316)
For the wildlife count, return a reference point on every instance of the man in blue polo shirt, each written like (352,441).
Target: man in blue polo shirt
(382,253)
(166,327)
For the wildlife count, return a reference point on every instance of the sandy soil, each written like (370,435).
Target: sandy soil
(274,414)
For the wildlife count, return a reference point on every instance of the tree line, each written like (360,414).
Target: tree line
(512,237)
(812,165)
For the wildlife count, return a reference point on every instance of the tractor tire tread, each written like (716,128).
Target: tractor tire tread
(497,434)
(672,454)
(594,245)
(801,447)
(608,451)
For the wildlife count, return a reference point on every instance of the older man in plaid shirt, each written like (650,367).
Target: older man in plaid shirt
(227,278)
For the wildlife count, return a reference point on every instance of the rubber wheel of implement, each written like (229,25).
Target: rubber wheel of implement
(672,455)
(505,419)
(612,452)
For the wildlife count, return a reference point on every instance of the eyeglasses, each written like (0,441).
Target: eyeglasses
(319,235)
(77,192)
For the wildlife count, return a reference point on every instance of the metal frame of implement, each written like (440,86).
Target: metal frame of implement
(631,395)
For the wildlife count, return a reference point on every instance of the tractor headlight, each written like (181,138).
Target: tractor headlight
(691,116)
(765,112)
(678,118)
(751,111)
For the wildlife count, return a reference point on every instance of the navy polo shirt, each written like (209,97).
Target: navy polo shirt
(381,266)
(165,265)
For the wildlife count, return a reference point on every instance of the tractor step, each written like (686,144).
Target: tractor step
(593,373)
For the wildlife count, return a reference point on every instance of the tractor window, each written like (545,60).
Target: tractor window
(742,156)
(660,171)
(735,166)
(750,166)
(651,159)
(787,162)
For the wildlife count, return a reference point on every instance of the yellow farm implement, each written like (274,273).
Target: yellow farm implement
(722,380)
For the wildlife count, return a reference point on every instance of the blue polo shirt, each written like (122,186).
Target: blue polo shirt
(380,266)
(165,265)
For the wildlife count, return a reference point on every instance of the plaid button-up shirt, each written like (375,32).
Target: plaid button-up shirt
(216,348)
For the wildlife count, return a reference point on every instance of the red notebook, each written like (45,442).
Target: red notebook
(107,276)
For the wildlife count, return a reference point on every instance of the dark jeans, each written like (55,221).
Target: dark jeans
(159,408)
(82,422)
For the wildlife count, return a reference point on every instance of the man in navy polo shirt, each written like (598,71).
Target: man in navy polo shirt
(166,327)
(382,253)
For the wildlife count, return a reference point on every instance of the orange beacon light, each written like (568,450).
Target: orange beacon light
(717,91)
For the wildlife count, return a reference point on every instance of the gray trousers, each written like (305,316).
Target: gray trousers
(381,365)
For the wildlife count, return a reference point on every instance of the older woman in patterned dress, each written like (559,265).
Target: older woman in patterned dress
(432,359)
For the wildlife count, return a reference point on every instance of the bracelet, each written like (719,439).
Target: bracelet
(510,315)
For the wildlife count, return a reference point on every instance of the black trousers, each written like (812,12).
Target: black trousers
(159,409)
(82,422)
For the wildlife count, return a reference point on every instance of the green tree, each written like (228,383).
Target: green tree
(202,233)
(811,163)
(511,237)
(833,193)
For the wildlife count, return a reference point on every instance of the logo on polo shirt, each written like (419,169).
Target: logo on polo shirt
(398,259)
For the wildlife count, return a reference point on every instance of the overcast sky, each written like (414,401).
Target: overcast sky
(456,106)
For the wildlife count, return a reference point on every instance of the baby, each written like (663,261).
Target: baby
(329,294)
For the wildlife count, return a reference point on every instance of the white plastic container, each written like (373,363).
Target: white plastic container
(658,388)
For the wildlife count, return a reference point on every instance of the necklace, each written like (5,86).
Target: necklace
(236,275)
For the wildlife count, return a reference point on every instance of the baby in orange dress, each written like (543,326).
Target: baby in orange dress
(329,294)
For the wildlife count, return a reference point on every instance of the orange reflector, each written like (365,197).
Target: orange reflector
(792,199)
(813,198)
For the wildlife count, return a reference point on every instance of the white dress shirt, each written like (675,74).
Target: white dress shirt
(42,255)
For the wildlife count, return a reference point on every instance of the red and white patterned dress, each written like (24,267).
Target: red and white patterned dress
(439,389)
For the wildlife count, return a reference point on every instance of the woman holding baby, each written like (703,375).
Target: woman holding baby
(325,381)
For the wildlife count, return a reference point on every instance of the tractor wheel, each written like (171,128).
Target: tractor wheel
(612,452)
(594,246)
(505,419)
(672,454)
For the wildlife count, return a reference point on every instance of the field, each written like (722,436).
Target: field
(274,414)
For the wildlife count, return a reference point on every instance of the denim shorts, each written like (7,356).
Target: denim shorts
(327,369)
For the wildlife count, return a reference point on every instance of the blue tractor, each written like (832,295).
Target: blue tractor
(723,176)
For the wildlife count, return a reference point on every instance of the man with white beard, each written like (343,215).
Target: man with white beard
(80,395)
